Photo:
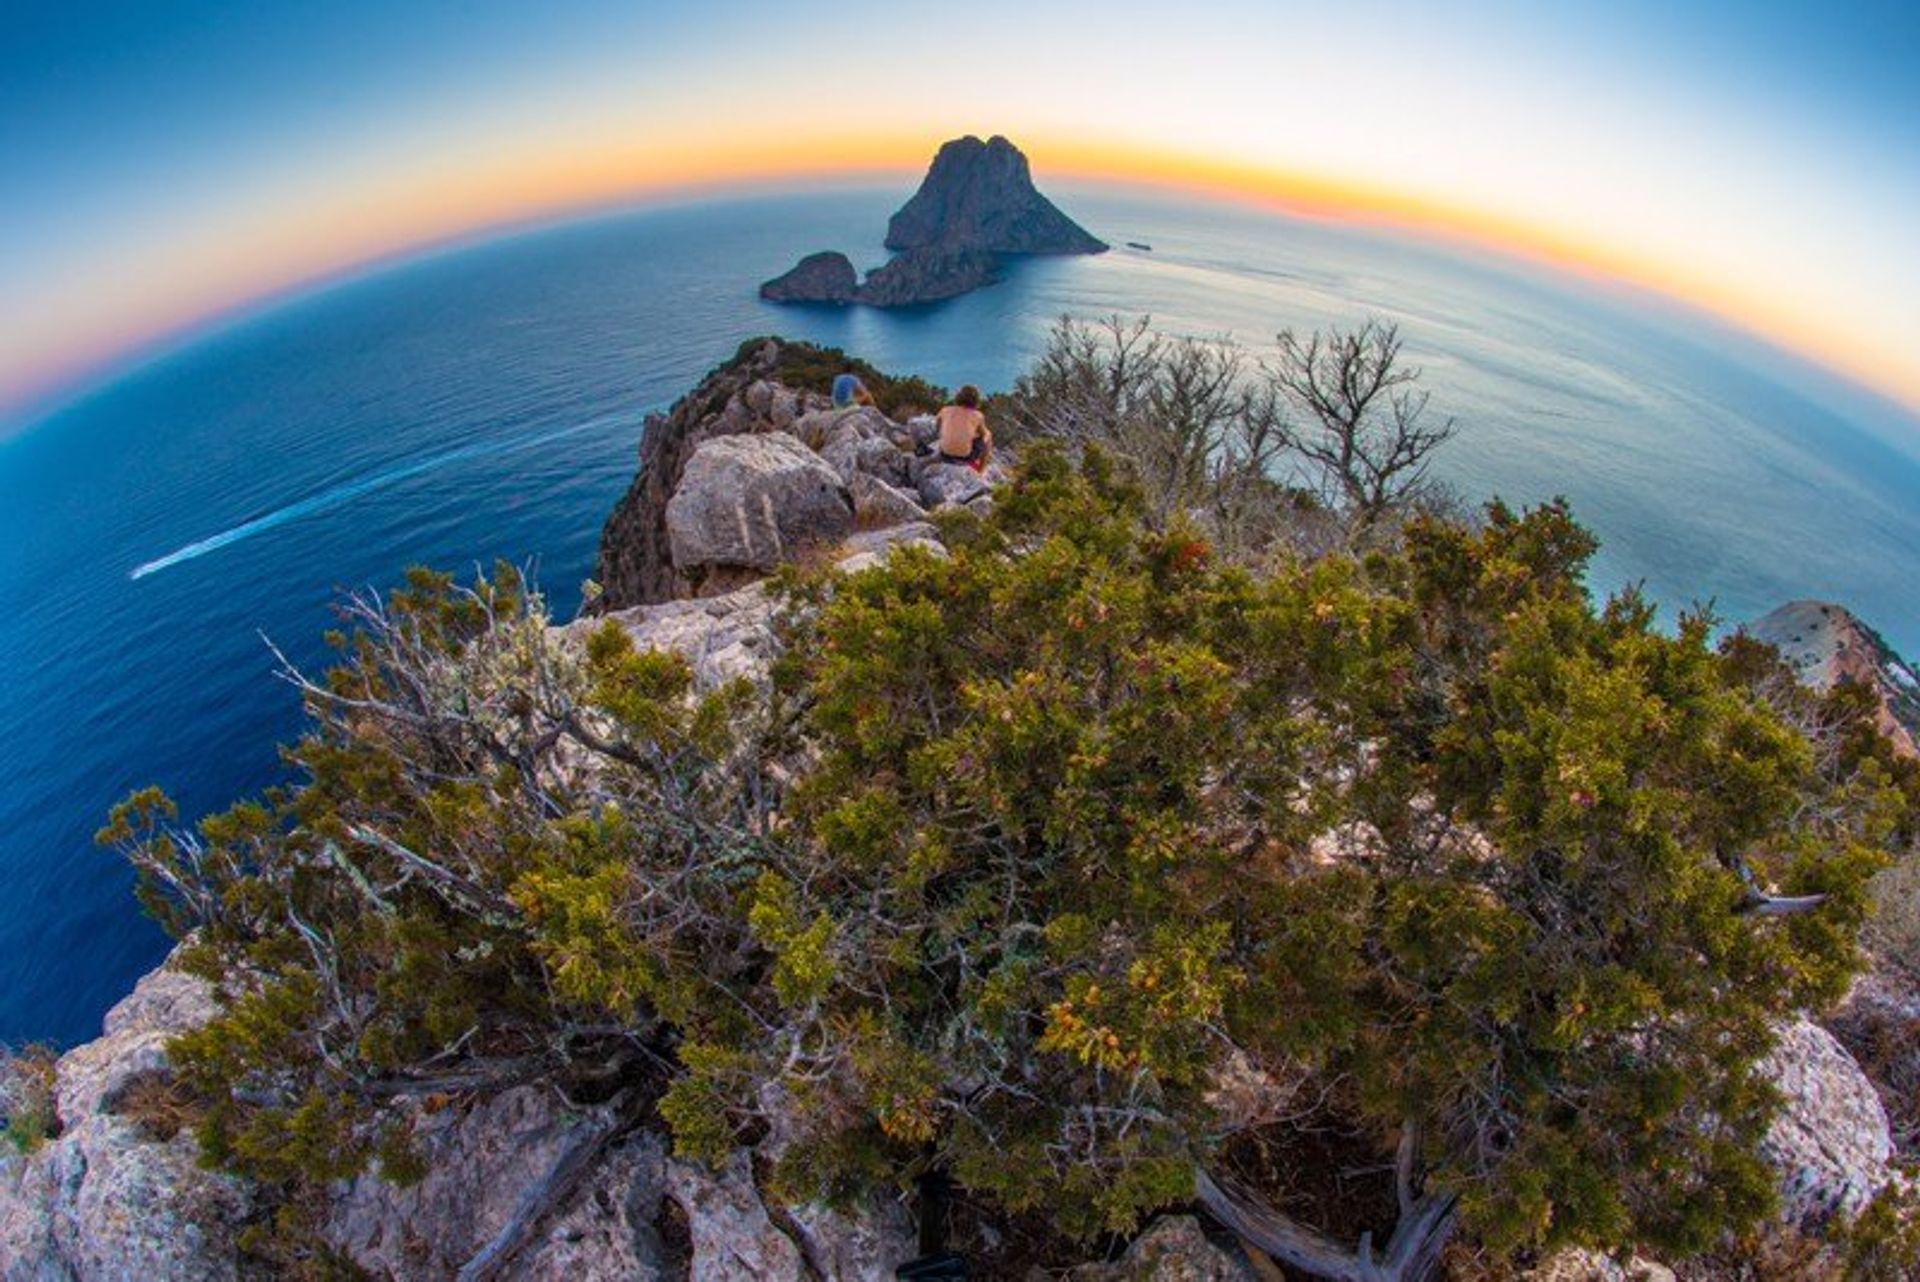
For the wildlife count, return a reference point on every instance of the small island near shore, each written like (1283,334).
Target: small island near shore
(977,203)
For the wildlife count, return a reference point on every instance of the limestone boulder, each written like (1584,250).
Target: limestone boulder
(753,502)
(721,637)
(955,483)
(877,503)
(1830,1142)
(734,1239)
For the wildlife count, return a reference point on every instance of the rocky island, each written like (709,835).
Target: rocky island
(977,202)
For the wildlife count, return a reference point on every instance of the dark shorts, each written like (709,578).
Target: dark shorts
(974,455)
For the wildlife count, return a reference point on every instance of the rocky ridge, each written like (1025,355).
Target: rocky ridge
(1826,643)
(744,474)
(976,203)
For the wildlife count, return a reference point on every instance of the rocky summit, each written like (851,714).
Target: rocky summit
(976,203)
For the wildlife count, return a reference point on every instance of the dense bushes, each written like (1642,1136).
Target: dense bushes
(1058,863)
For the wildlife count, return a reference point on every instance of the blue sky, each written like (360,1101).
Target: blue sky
(170,162)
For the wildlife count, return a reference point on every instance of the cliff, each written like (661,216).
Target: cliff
(1826,643)
(750,471)
(976,203)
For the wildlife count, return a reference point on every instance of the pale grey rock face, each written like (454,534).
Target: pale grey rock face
(1830,1142)
(871,1244)
(734,1239)
(872,547)
(754,502)
(878,503)
(635,564)
(860,440)
(165,1003)
(950,483)
(105,1199)
(1173,1249)
(1578,1265)
(1879,1024)
(924,429)
(484,1162)
(612,1228)
(722,637)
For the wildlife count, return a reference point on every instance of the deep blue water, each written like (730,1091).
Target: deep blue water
(486,402)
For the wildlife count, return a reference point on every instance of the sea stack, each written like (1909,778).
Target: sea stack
(976,204)
(826,277)
(980,195)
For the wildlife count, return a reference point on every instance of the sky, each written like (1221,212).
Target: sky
(165,165)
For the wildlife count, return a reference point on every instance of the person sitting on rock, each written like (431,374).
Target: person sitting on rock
(964,437)
(849,391)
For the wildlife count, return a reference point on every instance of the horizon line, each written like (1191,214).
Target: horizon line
(1272,189)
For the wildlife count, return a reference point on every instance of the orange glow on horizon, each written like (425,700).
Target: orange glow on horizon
(269,260)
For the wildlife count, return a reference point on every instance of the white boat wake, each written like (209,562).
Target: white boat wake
(339,494)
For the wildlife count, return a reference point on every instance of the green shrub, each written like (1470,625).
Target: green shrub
(1028,849)
(26,1096)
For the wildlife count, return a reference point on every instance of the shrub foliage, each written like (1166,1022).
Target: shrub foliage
(1056,863)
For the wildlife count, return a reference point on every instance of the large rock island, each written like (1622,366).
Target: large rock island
(976,203)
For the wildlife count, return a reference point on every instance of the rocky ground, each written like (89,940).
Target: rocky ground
(742,476)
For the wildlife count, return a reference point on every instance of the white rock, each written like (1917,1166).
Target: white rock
(1830,1142)
(723,637)
(482,1161)
(754,502)
(734,1239)
(103,1199)
(878,503)
(942,482)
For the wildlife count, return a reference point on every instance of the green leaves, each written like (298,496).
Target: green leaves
(1035,848)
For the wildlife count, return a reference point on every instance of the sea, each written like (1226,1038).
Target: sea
(486,400)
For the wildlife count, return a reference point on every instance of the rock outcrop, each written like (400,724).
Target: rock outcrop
(976,203)
(117,1194)
(487,1165)
(636,560)
(744,474)
(928,275)
(1826,643)
(753,503)
(981,195)
(826,277)
(1830,1142)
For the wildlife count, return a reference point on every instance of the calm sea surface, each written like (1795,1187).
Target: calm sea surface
(486,403)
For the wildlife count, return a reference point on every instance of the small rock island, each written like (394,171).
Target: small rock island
(976,203)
